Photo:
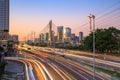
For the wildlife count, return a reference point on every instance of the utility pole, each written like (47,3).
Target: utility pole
(92,29)
(90,17)
(34,37)
(31,35)
(50,32)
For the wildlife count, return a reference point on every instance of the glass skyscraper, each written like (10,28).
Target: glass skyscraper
(80,36)
(4,15)
(4,23)
(67,37)
(60,33)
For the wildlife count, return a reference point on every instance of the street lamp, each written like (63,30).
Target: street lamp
(92,29)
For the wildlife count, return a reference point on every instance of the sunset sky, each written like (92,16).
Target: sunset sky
(27,16)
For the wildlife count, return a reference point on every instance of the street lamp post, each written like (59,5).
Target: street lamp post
(92,29)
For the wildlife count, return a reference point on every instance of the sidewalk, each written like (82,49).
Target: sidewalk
(14,70)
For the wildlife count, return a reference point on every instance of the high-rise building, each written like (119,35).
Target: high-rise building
(41,38)
(80,36)
(15,38)
(4,22)
(46,37)
(60,33)
(76,40)
(37,40)
(67,36)
(73,37)
(4,15)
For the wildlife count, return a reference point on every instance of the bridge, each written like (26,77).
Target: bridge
(55,35)
(47,35)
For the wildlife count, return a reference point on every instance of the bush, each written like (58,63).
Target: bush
(3,63)
(2,67)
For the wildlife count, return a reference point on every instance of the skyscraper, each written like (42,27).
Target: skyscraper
(67,36)
(4,22)
(46,35)
(73,37)
(41,38)
(60,33)
(80,36)
(4,15)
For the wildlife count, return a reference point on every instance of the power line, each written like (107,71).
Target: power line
(112,6)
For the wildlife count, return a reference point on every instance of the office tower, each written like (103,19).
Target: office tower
(41,37)
(37,41)
(60,33)
(4,23)
(80,36)
(4,15)
(73,37)
(67,37)
(46,37)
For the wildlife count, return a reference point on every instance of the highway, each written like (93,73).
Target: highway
(89,60)
(99,62)
(51,69)
(61,68)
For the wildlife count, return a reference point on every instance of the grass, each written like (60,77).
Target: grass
(104,70)
(110,72)
(116,54)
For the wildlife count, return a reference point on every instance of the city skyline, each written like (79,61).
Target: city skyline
(71,13)
(60,39)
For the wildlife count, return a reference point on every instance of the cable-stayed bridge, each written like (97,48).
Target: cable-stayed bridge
(47,35)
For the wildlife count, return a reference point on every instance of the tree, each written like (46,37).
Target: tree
(106,40)
(1,50)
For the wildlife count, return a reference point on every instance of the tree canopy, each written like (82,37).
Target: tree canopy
(106,40)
